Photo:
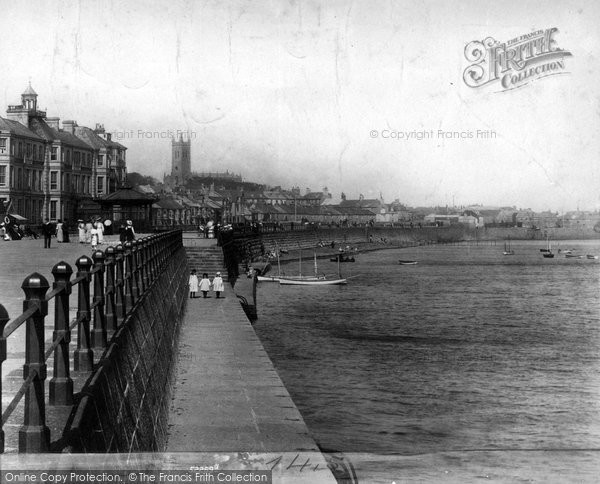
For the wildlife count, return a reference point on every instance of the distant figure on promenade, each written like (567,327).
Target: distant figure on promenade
(217,284)
(193,283)
(66,232)
(60,238)
(81,231)
(94,238)
(121,232)
(129,232)
(88,231)
(205,285)
(100,229)
(47,230)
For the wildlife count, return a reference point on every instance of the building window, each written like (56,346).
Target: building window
(100,185)
(28,150)
(20,150)
(53,153)
(2,144)
(100,160)
(89,160)
(19,177)
(68,182)
(40,153)
(53,209)
(53,180)
(2,175)
(68,157)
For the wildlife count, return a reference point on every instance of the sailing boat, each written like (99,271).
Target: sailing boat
(547,253)
(507,248)
(316,281)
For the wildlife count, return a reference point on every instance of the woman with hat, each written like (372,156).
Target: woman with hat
(81,231)
(217,284)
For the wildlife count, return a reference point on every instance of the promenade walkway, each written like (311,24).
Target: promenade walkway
(228,396)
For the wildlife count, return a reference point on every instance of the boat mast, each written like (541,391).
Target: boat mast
(278,263)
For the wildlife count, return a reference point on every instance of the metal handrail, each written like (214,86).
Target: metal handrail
(131,271)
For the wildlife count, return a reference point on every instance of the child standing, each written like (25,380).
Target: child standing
(205,284)
(193,283)
(218,285)
(94,239)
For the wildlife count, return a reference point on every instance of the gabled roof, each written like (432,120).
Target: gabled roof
(14,127)
(314,195)
(40,127)
(90,137)
(127,194)
(71,139)
(168,204)
(366,202)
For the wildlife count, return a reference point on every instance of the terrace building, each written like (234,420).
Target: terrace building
(48,172)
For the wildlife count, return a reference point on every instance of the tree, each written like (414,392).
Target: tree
(135,179)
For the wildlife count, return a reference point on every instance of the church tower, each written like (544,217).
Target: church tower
(181,167)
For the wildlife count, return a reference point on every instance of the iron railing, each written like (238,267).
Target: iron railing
(108,286)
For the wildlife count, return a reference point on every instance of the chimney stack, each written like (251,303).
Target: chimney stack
(69,126)
(53,123)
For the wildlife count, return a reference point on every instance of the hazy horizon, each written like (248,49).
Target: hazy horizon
(290,93)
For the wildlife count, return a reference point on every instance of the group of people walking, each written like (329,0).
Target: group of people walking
(204,285)
(89,232)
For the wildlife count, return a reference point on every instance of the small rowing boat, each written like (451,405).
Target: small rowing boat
(408,262)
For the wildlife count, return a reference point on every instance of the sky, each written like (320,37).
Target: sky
(309,94)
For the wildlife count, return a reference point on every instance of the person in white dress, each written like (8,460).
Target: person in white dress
(217,284)
(205,285)
(100,229)
(193,283)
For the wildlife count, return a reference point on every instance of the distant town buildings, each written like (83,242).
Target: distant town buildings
(48,172)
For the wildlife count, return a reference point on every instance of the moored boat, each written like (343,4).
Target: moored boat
(547,252)
(408,262)
(592,256)
(321,282)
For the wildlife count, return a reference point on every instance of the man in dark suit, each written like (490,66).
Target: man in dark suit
(47,230)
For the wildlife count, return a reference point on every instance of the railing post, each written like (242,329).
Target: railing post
(83,357)
(154,257)
(129,294)
(143,248)
(34,436)
(135,269)
(99,331)
(111,312)
(61,384)
(121,303)
(3,320)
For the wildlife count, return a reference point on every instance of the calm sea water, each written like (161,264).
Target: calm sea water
(468,350)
